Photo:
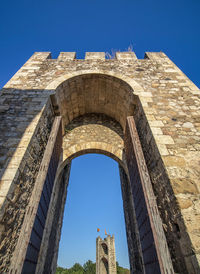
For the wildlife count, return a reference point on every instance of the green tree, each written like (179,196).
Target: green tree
(60,270)
(121,270)
(75,269)
(89,267)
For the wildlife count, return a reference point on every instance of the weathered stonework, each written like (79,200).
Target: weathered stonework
(92,131)
(105,255)
(26,162)
(94,97)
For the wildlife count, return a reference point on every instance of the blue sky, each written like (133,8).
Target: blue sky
(93,201)
(93,25)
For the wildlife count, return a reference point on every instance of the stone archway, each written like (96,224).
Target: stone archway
(93,109)
(165,120)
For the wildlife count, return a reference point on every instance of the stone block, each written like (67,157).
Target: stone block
(95,56)
(40,56)
(154,55)
(174,161)
(67,56)
(156,123)
(184,203)
(129,55)
(164,139)
(184,186)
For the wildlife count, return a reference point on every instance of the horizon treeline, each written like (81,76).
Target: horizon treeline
(88,268)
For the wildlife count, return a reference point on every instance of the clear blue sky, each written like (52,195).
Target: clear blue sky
(172,26)
(93,201)
(27,26)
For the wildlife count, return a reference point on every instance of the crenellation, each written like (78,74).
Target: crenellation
(39,57)
(67,56)
(155,56)
(95,56)
(126,56)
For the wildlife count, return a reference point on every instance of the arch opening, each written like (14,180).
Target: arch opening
(103,196)
(105,248)
(104,266)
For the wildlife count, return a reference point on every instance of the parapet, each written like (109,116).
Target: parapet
(36,61)
(120,56)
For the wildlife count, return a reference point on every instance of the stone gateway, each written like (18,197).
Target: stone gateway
(143,113)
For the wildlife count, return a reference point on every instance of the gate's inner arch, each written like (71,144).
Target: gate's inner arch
(94,110)
(94,93)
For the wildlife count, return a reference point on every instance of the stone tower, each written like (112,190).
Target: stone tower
(105,255)
(143,113)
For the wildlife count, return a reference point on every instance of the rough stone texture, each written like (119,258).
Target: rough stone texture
(96,132)
(165,104)
(26,165)
(25,257)
(105,255)
(95,55)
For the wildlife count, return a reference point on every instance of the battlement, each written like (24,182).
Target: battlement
(106,238)
(121,56)
(67,63)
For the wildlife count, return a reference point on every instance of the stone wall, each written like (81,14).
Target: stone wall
(173,223)
(26,170)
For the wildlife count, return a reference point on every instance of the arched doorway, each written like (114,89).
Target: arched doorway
(94,200)
(92,111)
(104,266)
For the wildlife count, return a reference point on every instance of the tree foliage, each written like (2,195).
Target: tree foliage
(121,270)
(88,268)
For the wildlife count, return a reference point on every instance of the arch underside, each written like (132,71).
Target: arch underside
(93,133)
(94,108)
(94,93)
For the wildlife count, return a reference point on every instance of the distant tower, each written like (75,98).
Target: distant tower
(105,255)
